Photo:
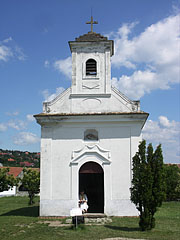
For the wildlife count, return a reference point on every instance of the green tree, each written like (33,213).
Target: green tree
(146,192)
(158,186)
(172,179)
(177,189)
(141,185)
(6,181)
(31,181)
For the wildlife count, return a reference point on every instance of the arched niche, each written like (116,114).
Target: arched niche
(90,135)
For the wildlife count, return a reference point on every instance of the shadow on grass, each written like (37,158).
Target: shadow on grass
(26,212)
(125,229)
(79,227)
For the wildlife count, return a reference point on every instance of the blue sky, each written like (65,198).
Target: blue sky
(35,62)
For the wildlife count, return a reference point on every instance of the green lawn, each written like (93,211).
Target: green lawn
(20,221)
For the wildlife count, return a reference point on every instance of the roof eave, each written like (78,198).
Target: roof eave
(89,114)
(111,42)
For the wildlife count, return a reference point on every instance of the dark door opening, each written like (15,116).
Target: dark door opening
(91,180)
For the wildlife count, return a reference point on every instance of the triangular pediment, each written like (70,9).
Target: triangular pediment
(90,103)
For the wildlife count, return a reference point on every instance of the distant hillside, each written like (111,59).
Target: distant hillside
(19,159)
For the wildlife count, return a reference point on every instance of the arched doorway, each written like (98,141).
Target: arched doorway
(91,180)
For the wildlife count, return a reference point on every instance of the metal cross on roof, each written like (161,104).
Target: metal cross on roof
(92,22)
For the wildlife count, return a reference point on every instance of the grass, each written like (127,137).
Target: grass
(20,221)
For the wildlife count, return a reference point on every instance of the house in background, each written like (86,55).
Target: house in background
(11,160)
(17,172)
(26,164)
(19,190)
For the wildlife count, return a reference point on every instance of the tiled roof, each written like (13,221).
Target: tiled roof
(91,37)
(27,164)
(176,164)
(15,171)
(11,160)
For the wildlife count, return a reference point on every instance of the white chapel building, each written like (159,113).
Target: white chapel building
(89,134)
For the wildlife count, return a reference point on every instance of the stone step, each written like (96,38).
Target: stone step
(95,215)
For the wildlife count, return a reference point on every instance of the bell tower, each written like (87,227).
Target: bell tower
(91,65)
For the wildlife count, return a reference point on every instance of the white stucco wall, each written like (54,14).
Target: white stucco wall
(59,179)
(90,103)
(100,52)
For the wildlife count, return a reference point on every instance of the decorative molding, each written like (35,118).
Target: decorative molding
(94,78)
(90,88)
(83,95)
(91,103)
(60,97)
(91,150)
(131,105)
(91,98)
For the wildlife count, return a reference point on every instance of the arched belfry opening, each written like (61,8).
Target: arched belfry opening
(91,67)
(91,180)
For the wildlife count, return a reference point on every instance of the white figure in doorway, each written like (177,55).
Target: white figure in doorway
(83,201)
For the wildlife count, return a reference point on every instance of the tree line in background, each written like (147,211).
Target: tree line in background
(172,181)
(15,158)
(153,182)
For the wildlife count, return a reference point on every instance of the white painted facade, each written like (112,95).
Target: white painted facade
(10,192)
(90,104)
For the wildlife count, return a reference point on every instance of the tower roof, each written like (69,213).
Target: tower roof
(91,37)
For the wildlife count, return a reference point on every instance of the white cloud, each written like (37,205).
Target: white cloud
(3,127)
(30,117)
(7,40)
(64,66)
(12,113)
(46,63)
(143,82)
(9,49)
(5,53)
(20,54)
(167,133)
(16,124)
(49,97)
(153,56)
(26,138)
(164,122)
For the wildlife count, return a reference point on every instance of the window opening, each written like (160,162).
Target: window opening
(91,67)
